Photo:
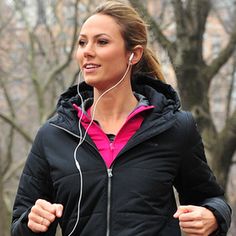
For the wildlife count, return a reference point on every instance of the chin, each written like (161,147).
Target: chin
(98,85)
(90,82)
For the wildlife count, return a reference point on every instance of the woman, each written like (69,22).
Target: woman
(107,163)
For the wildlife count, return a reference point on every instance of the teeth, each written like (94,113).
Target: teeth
(90,66)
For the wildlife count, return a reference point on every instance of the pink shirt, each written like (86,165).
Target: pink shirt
(110,149)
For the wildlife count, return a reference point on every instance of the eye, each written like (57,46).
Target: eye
(81,42)
(102,42)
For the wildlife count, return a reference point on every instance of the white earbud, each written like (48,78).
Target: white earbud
(131,57)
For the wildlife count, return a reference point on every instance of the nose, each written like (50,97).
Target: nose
(89,50)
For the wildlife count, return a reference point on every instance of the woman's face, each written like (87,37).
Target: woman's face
(101,52)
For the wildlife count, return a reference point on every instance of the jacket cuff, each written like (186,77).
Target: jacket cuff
(19,227)
(222,212)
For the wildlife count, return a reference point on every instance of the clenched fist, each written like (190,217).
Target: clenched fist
(42,214)
(195,220)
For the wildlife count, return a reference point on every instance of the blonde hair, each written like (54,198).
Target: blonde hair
(134,32)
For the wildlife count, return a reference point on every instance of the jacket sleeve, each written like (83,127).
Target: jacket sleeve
(34,184)
(196,183)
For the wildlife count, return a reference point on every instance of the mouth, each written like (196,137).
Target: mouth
(90,66)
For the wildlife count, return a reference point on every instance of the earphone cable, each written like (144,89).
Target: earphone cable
(85,134)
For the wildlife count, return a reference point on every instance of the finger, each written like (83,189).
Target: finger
(46,205)
(58,209)
(191,224)
(195,215)
(55,209)
(37,224)
(41,213)
(181,210)
(38,215)
(37,228)
(191,232)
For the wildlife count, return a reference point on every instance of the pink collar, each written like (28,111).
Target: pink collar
(107,149)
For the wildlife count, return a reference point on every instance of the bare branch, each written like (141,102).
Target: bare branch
(65,64)
(212,69)
(73,81)
(13,170)
(8,159)
(32,62)
(179,18)
(191,19)
(51,34)
(19,129)
(226,148)
(229,12)
(7,96)
(41,49)
(6,22)
(199,11)
(231,88)
(230,131)
(156,29)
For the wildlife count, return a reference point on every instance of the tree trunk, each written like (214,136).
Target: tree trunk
(4,227)
(219,147)
(223,150)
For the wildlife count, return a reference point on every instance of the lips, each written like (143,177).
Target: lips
(90,66)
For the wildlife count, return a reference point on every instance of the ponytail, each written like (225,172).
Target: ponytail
(149,66)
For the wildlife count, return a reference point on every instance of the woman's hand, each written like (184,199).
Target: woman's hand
(195,220)
(42,214)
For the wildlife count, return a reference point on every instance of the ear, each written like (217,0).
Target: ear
(137,54)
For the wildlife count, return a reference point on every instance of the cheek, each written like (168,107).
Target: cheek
(116,59)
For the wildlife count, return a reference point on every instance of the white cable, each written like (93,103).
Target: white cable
(75,152)
(85,134)
(108,90)
(82,104)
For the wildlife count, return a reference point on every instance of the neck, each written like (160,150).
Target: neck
(113,105)
(113,108)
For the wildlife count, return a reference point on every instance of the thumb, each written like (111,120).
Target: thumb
(58,210)
(181,210)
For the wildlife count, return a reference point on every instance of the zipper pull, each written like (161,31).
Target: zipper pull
(109,172)
(112,146)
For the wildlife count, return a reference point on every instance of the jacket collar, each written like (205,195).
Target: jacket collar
(158,93)
(162,96)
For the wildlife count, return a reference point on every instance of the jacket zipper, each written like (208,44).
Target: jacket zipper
(109,173)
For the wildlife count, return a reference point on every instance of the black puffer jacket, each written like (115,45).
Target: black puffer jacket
(133,198)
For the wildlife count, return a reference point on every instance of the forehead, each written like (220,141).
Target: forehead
(101,24)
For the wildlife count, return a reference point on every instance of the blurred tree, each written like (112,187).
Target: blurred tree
(195,74)
(5,150)
(36,54)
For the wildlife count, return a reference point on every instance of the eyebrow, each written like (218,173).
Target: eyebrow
(96,36)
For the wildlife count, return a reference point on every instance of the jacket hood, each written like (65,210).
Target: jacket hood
(159,94)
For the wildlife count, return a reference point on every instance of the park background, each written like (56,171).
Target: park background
(193,39)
